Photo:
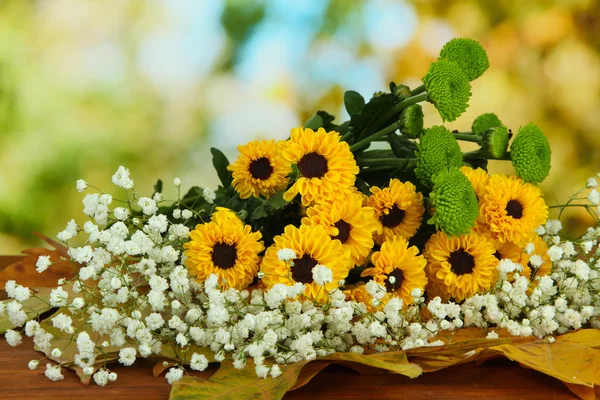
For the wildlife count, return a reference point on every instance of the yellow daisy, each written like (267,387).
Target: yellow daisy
(327,167)
(460,265)
(347,221)
(312,245)
(529,271)
(395,259)
(225,247)
(512,209)
(259,170)
(398,208)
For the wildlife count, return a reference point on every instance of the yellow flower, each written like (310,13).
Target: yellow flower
(312,245)
(327,167)
(478,178)
(540,248)
(512,209)
(225,247)
(358,293)
(460,265)
(259,170)
(398,208)
(395,259)
(347,221)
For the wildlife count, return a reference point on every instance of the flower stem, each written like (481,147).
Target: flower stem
(346,136)
(363,143)
(404,163)
(418,90)
(467,138)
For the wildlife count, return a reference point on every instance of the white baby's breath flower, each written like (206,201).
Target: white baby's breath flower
(199,362)
(69,232)
(81,185)
(177,182)
(209,195)
(174,375)
(13,338)
(42,263)
(591,183)
(121,213)
(286,254)
(186,214)
(594,197)
(148,205)
(322,275)
(53,372)
(127,356)
(121,178)
(33,364)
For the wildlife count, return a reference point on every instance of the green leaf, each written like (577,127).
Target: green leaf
(277,201)
(220,162)
(368,121)
(158,186)
(315,122)
(401,146)
(353,102)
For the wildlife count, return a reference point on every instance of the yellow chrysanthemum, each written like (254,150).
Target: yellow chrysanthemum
(259,170)
(478,178)
(398,208)
(460,265)
(512,209)
(396,259)
(225,247)
(540,248)
(312,245)
(358,293)
(347,221)
(327,167)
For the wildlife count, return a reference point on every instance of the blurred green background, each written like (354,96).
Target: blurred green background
(86,86)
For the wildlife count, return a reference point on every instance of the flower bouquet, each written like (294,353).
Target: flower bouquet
(375,243)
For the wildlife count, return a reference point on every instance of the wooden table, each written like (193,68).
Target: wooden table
(498,379)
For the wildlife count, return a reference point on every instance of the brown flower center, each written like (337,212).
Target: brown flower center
(302,269)
(313,165)
(261,168)
(498,255)
(344,231)
(399,276)
(514,209)
(461,262)
(224,255)
(393,218)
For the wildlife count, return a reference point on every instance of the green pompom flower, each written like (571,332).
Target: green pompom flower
(454,202)
(530,153)
(494,142)
(448,88)
(468,54)
(485,122)
(401,91)
(411,121)
(437,150)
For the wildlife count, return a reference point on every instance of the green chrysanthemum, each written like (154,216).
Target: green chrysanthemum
(531,154)
(448,88)
(454,202)
(495,142)
(411,121)
(468,54)
(485,122)
(437,150)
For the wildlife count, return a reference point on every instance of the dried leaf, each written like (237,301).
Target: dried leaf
(25,273)
(160,367)
(34,307)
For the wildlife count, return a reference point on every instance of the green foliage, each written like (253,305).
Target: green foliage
(468,54)
(531,154)
(321,119)
(373,116)
(454,201)
(448,88)
(437,151)
(220,162)
(353,102)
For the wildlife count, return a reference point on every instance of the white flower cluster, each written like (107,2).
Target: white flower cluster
(134,296)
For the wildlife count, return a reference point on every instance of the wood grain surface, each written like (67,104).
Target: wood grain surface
(498,379)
